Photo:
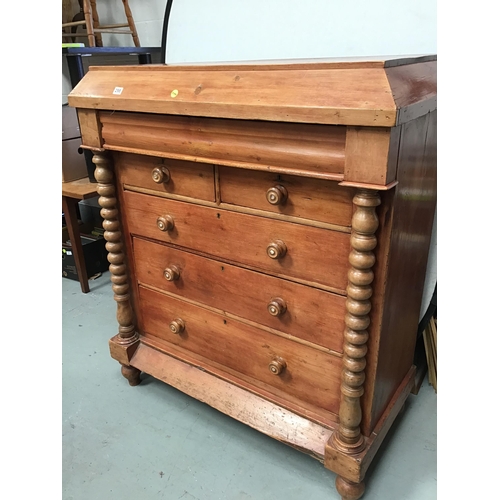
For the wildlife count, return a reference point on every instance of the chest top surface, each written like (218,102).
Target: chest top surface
(376,92)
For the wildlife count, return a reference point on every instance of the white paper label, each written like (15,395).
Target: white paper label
(118,90)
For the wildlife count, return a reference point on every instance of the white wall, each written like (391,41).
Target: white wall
(225,30)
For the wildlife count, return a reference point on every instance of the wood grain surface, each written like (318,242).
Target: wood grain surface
(329,96)
(398,292)
(259,145)
(414,88)
(190,179)
(314,255)
(81,189)
(354,467)
(311,314)
(337,93)
(371,155)
(310,375)
(90,127)
(306,198)
(251,409)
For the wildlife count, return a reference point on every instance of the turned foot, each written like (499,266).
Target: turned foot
(133,375)
(349,490)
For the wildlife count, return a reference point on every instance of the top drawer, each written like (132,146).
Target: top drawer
(302,197)
(184,178)
(301,149)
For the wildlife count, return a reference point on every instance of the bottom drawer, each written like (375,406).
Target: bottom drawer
(291,368)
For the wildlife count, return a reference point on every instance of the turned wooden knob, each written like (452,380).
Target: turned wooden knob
(165,223)
(276,249)
(160,175)
(171,273)
(277,195)
(276,307)
(277,365)
(177,326)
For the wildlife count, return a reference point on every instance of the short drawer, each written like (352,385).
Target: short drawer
(302,372)
(304,312)
(303,197)
(310,254)
(176,177)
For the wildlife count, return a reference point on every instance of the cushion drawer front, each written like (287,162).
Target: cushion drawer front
(310,314)
(184,178)
(304,253)
(310,375)
(295,196)
(311,149)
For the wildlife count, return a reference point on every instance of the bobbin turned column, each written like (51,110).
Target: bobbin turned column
(123,345)
(348,438)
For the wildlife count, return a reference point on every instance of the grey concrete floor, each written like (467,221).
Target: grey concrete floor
(154,442)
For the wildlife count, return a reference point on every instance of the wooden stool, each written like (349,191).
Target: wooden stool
(72,193)
(89,18)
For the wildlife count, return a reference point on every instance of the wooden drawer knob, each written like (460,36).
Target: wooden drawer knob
(277,366)
(277,195)
(177,326)
(276,307)
(165,223)
(160,175)
(171,273)
(276,249)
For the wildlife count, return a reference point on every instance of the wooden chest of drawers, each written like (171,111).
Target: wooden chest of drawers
(268,228)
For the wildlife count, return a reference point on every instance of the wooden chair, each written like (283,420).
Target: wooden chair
(89,18)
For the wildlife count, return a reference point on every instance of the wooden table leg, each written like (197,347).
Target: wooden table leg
(69,209)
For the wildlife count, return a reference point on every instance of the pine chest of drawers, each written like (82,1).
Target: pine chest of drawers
(268,229)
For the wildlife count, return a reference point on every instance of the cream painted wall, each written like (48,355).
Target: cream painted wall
(202,30)
(267,29)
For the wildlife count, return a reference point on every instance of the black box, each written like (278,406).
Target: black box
(90,165)
(95,255)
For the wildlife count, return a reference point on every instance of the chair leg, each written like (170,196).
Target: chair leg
(95,18)
(69,206)
(131,23)
(87,9)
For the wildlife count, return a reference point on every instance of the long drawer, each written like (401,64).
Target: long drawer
(302,372)
(185,178)
(284,249)
(303,197)
(305,149)
(305,312)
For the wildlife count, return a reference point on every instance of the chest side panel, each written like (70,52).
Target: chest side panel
(409,217)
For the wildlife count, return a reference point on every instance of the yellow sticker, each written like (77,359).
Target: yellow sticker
(174,93)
